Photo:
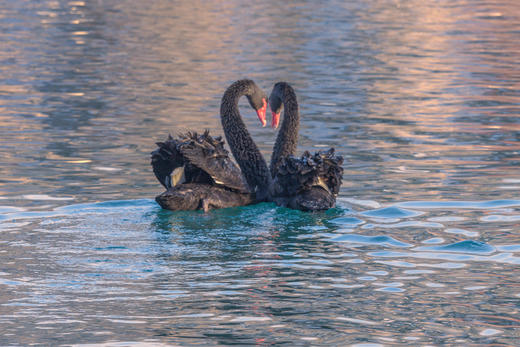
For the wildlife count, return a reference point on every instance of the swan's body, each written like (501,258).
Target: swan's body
(197,171)
(308,183)
(197,196)
(198,174)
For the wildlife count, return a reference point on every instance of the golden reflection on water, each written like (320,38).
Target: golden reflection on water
(437,73)
(447,75)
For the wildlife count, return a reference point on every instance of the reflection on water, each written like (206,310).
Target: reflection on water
(421,98)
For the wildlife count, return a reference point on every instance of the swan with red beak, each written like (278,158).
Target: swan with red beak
(307,183)
(258,101)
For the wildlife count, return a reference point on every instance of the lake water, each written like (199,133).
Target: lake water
(421,98)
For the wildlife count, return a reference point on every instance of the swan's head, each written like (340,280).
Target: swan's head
(276,104)
(258,101)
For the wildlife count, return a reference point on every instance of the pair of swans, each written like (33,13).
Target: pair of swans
(198,173)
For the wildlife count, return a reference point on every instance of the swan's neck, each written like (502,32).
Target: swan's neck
(245,151)
(287,139)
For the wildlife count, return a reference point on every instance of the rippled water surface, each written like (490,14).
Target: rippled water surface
(421,98)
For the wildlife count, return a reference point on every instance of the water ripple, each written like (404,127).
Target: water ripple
(370,240)
(450,205)
(468,246)
(391,212)
(422,249)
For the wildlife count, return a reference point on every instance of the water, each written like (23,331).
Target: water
(422,99)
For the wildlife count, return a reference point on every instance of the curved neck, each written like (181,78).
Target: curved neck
(287,138)
(245,151)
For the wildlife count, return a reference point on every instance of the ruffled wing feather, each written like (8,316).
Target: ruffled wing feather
(165,159)
(205,160)
(298,175)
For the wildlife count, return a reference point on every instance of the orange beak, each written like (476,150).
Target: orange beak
(261,113)
(275,120)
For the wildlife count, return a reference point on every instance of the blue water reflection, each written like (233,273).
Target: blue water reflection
(120,264)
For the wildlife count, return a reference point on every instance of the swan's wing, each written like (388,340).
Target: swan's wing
(165,159)
(330,169)
(298,175)
(208,154)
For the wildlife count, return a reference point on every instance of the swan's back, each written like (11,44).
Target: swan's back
(203,160)
(208,154)
(310,182)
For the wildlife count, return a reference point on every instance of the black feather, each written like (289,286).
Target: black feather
(299,180)
(205,160)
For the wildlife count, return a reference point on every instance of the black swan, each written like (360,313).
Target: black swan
(308,183)
(198,173)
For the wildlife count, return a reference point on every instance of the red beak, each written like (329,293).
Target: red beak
(275,120)
(261,113)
